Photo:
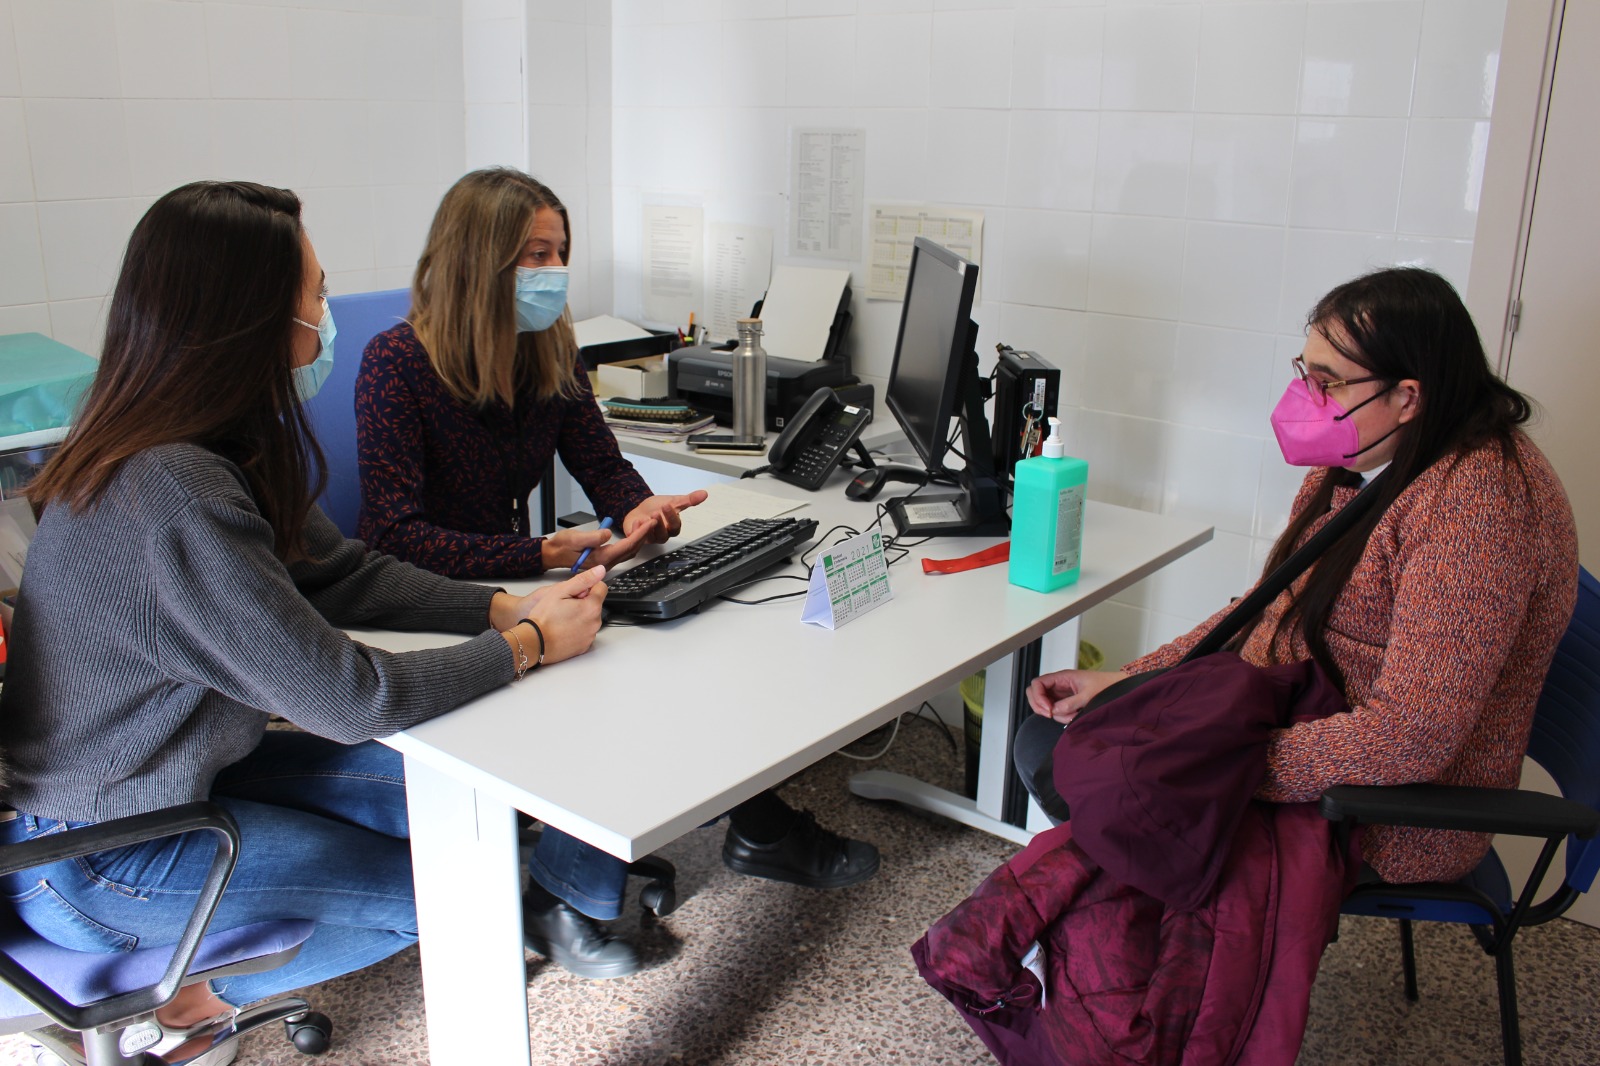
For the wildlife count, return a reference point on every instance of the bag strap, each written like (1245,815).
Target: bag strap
(1297,563)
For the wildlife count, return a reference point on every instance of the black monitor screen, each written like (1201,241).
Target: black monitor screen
(929,353)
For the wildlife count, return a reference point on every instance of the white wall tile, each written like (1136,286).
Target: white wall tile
(1250,58)
(1125,457)
(80,324)
(254,140)
(1142,163)
(1202,582)
(1128,365)
(815,8)
(1058,58)
(401,215)
(821,59)
(898,57)
(25,318)
(1048,258)
(333,141)
(83,241)
(247,49)
(484,10)
(557,59)
(757,150)
(1221,380)
(1056,336)
(1279,484)
(162,49)
(556,145)
(66,47)
(169,144)
(1314,261)
(598,69)
(1053,159)
(1347,173)
(1451,258)
(493,61)
(79,148)
(494,136)
(965,148)
(341,225)
(21,262)
(897,153)
(1151,55)
(556,11)
(1212,478)
(972,55)
(693,128)
(1360,58)
(1443,177)
(1240,168)
(640,12)
(1117,630)
(398,149)
(402,59)
(1136,266)
(16,162)
(1231,274)
(754,57)
(328,57)
(876,7)
(10,77)
(1459,58)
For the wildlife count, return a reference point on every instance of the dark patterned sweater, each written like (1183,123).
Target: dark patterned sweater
(1444,634)
(445,485)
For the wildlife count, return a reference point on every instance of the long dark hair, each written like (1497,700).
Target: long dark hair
(199,350)
(1399,323)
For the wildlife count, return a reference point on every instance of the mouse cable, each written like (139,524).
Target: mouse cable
(756,471)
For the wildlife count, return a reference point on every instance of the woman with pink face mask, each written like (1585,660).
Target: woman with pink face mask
(1438,612)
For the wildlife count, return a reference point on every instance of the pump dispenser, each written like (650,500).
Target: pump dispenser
(1047,516)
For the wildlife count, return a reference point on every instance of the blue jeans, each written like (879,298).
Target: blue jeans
(323,836)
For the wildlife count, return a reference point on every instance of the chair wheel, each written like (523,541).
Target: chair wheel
(311,1033)
(659,898)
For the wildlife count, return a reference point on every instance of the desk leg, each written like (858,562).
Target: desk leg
(998,788)
(465,865)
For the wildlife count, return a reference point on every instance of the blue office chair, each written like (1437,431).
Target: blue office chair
(1566,742)
(109,999)
(359,317)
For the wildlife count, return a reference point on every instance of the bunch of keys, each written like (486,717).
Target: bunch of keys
(1032,430)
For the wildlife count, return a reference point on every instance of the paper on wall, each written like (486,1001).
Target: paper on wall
(674,237)
(894,227)
(825,192)
(741,266)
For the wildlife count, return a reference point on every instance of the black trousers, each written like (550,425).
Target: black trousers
(1033,750)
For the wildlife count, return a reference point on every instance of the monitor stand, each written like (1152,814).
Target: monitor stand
(974,510)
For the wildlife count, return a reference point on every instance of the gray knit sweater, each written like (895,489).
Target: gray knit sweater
(157,631)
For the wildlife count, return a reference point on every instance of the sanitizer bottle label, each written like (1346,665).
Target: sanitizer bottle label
(1069,529)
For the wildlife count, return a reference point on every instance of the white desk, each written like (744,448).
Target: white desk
(660,728)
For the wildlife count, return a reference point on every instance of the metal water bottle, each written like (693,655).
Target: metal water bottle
(750,381)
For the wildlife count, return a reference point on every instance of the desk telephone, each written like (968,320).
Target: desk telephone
(816,439)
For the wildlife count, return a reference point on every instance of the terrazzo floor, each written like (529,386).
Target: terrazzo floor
(753,972)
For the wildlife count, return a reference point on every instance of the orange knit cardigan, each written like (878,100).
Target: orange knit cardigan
(1444,633)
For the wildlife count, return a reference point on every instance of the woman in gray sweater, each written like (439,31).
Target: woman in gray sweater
(183,588)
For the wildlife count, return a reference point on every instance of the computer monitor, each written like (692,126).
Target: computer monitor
(934,381)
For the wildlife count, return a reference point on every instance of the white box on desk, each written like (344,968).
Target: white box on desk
(632,379)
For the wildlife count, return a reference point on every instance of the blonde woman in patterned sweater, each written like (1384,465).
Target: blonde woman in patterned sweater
(1438,615)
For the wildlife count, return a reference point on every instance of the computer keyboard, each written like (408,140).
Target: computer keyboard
(670,585)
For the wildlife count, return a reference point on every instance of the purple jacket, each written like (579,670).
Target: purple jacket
(445,485)
(1212,959)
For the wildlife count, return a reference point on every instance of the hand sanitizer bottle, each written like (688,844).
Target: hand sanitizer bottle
(1047,516)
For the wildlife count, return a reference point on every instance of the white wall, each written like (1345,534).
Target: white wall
(106,104)
(1167,188)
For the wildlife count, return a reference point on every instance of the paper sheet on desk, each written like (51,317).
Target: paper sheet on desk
(727,503)
(604,329)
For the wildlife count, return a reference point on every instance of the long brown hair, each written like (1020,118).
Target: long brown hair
(462,296)
(199,350)
(1402,323)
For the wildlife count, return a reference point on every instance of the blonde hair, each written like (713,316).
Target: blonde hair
(462,295)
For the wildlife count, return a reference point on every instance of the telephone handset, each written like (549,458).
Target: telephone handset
(816,439)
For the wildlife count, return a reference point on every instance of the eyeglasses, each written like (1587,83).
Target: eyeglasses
(1319,389)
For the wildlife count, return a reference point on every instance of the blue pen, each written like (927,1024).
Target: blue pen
(583,556)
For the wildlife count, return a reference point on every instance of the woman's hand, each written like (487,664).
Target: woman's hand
(1063,694)
(658,516)
(568,614)
(561,549)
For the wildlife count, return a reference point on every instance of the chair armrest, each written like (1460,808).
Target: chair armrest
(105,836)
(1518,812)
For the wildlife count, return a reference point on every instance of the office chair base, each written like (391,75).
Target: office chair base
(309,1031)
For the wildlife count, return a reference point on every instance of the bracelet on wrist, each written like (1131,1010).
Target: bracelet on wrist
(538,633)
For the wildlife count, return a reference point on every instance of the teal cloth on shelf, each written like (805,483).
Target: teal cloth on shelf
(41,381)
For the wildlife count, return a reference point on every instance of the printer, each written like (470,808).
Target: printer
(702,375)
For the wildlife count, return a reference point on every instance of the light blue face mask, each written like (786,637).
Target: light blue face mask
(540,298)
(309,378)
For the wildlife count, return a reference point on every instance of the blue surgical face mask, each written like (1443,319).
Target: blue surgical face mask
(309,378)
(540,298)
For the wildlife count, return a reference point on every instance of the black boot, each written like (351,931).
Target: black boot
(577,942)
(806,855)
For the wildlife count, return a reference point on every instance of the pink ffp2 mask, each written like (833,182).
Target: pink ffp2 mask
(1310,434)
